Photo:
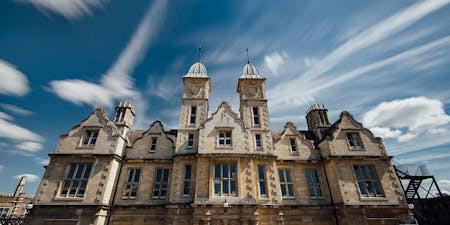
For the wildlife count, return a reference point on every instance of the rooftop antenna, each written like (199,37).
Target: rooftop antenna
(248,58)
(199,53)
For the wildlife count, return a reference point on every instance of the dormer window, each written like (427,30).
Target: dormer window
(293,144)
(225,139)
(354,141)
(153,144)
(193,115)
(255,111)
(89,138)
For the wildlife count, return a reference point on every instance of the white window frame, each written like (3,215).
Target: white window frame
(228,180)
(256,116)
(89,138)
(354,141)
(4,212)
(224,138)
(190,141)
(283,174)
(262,181)
(131,186)
(258,143)
(187,180)
(367,180)
(75,180)
(161,185)
(153,144)
(193,115)
(312,177)
(293,144)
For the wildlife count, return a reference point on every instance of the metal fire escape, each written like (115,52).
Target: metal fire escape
(421,187)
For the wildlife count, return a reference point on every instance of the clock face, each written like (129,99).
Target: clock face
(194,90)
(253,91)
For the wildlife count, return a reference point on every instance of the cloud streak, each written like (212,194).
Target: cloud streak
(15,132)
(13,82)
(366,38)
(71,9)
(117,83)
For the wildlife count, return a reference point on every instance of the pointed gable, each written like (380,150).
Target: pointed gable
(290,144)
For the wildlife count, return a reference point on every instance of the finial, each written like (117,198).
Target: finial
(199,53)
(248,58)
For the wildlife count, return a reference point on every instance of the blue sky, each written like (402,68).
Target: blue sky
(386,62)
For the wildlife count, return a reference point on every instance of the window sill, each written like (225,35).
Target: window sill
(373,199)
(74,199)
(316,198)
(356,149)
(128,198)
(84,147)
(224,148)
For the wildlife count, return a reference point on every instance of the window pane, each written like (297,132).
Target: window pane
(88,171)
(71,171)
(137,174)
(79,171)
(283,190)
(217,171)
(158,175)
(86,137)
(233,187)
(233,170)
(187,174)
(94,137)
(228,134)
(291,190)
(166,175)
(288,175)
(281,174)
(261,172)
(225,170)
(217,187)
(225,186)
(262,188)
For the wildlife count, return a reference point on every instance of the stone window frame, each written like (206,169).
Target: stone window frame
(260,141)
(153,143)
(262,180)
(131,183)
(256,116)
(193,112)
(314,185)
(293,146)
(220,130)
(187,181)
(369,181)
(221,179)
(86,140)
(190,141)
(71,179)
(161,186)
(286,183)
(354,141)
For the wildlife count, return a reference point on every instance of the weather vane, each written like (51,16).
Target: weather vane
(199,53)
(248,58)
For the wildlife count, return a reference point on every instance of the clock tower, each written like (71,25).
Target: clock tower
(253,107)
(194,107)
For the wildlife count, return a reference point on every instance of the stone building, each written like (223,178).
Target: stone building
(15,205)
(227,168)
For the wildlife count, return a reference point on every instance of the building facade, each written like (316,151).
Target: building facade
(15,205)
(227,168)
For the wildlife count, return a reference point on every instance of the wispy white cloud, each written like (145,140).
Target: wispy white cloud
(1,168)
(42,161)
(30,146)
(71,9)
(117,83)
(444,185)
(380,31)
(12,131)
(15,109)
(30,177)
(13,82)
(168,88)
(275,60)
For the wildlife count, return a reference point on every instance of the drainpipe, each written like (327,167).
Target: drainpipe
(329,191)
